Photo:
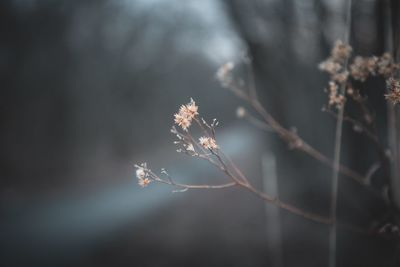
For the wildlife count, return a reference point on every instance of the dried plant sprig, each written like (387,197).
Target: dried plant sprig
(208,143)
(341,51)
(393,86)
(336,66)
(152,177)
(186,114)
(293,139)
(142,175)
(224,74)
(210,151)
(360,69)
(237,179)
(363,67)
(335,98)
(386,65)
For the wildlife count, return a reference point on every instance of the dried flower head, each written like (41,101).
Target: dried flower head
(372,64)
(240,112)
(186,114)
(362,67)
(334,65)
(224,74)
(208,143)
(142,174)
(190,148)
(341,77)
(394,90)
(144,182)
(335,98)
(341,51)
(189,110)
(330,66)
(182,121)
(386,65)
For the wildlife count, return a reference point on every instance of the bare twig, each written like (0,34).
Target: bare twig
(357,126)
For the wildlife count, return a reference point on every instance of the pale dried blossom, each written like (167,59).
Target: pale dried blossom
(372,64)
(224,74)
(142,174)
(208,143)
(144,182)
(341,77)
(362,67)
(240,112)
(186,114)
(394,90)
(190,148)
(330,66)
(334,65)
(341,51)
(182,121)
(386,65)
(335,98)
(189,110)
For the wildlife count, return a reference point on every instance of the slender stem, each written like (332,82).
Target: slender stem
(390,41)
(292,209)
(205,186)
(336,157)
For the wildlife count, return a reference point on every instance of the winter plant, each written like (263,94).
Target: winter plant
(345,72)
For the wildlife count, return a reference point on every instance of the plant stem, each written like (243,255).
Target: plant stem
(336,157)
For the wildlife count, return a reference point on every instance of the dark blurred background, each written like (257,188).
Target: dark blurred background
(88,88)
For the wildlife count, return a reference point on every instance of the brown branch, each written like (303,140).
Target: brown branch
(384,159)
(296,141)
(357,124)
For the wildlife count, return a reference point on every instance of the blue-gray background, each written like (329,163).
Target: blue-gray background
(90,87)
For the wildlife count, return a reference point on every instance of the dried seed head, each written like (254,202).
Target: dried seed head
(224,74)
(394,90)
(144,182)
(341,77)
(341,51)
(186,114)
(143,175)
(330,66)
(362,67)
(190,148)
(335,98)
(140,173)
(386,65)
(208,143)
(240,112)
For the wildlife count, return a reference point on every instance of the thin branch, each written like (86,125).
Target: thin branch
(292,138)
(297,142)
(384,159)
(356,125)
